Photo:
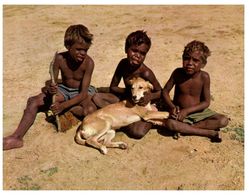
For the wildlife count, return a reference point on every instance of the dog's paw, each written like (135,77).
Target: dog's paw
(159,123)
(155,122)
(123,146)
(103,149)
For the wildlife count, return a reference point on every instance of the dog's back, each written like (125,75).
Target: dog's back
(101,125)
(116,115)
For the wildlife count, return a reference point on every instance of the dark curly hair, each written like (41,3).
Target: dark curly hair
(137,38)
(197,46)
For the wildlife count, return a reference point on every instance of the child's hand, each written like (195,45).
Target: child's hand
(182,114)
(56,108)
(174,112)
(53,88)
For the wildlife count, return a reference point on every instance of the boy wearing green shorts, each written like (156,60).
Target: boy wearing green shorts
(189,112)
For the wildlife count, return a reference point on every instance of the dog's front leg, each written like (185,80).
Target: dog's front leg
(156,115)
(155,122)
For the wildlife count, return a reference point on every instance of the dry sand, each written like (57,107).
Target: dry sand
(50,160)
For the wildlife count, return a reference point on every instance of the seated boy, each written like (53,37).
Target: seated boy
(76,69)
(137,46)
(189,112)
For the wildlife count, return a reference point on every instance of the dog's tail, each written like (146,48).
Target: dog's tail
(79,137)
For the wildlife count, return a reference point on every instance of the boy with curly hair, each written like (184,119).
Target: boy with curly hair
(189,112)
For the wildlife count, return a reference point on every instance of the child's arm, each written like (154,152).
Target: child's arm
(51,87)
(166,90)
(156,92)
(173,109)
(116,80)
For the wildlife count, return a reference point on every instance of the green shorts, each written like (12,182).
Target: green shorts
(199,116)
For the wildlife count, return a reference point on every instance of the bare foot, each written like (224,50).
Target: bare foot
(216,138)
(12,142)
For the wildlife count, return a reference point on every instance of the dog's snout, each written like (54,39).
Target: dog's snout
(134,97)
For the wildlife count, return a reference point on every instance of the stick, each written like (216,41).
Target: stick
(51,72)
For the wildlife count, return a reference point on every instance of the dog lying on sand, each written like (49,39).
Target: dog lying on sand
(98,129)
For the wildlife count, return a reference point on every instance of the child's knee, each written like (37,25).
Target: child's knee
(104,99)
(223,121)
(89,109)
(95,97)
(77,111)
(139,130)
(170,124)
(32,102)
(136,134)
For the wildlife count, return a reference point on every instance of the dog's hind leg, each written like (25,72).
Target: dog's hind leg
(78,138)
(94,140)
(108,141)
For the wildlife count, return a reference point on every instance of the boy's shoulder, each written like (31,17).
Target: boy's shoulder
(181,70)
(204,74)
(178,71)
(89,59)
(63,54)
(145,70)
(123,61)
(62,57)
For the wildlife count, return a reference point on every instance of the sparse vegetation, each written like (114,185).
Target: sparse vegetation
(50,171)
(26,183)
(239,132)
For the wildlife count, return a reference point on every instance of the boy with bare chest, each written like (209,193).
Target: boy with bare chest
(74,92)
(189,113)
(137,45)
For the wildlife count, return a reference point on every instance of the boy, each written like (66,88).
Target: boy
(189,113)
(76,69)
(137,46)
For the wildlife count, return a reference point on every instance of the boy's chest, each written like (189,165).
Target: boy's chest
(190,87)
(76,74)
(127,76)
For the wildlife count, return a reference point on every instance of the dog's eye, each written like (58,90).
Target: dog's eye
(140,87)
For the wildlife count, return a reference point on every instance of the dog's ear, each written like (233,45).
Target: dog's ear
(150,86)
(132,80)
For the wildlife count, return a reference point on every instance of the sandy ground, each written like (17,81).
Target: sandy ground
(53,161)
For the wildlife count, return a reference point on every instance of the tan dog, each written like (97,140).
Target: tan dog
(98,129)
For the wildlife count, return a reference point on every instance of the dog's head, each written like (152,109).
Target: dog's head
(138,88)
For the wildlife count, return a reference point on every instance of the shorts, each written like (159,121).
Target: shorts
(199,116)
(69,93)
